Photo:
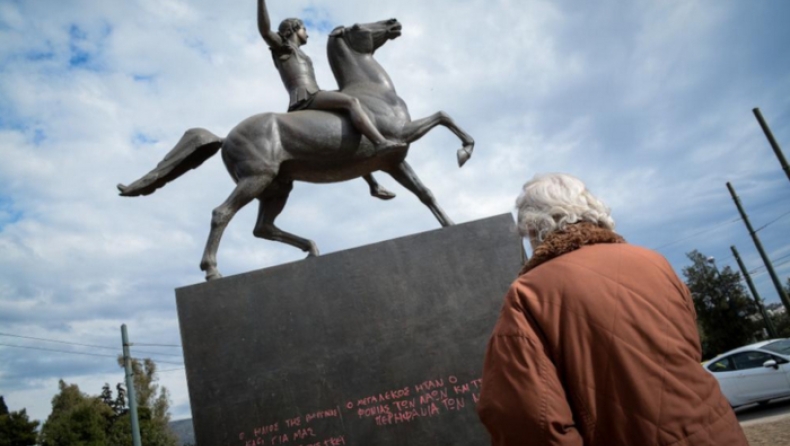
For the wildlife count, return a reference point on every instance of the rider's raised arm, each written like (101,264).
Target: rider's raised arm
(265,26)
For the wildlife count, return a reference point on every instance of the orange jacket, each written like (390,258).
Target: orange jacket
(599,346)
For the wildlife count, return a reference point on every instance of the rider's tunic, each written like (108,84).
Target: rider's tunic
(298,75)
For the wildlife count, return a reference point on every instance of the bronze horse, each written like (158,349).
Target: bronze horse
(266,153)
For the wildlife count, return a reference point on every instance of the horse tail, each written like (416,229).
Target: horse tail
(196,146)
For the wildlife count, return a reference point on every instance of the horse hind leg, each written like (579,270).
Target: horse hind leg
(271,205)
(403,174)
(246,190)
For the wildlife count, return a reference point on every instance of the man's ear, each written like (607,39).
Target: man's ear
(337,31)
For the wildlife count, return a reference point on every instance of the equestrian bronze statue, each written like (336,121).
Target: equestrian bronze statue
(266,153)
(298,76)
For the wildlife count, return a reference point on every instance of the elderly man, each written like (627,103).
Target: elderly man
(596,343)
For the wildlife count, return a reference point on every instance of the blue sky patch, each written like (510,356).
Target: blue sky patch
(39,136)
(144,77)
(141,138)
(86,47)
(317,19)
(79,56)
(77,33)
(37,55)
(8,120)
(199,46)
(8,213)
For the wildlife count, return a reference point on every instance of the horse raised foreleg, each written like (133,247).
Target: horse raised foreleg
(403,174)
(415,130)
(247,189)
(271,204)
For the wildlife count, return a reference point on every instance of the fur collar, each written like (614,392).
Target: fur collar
(570,239)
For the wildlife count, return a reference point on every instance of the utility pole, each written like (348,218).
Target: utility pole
(768,265)
(774,144)
(127,365)
(768,323)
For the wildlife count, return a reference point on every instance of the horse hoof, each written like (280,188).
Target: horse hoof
(213,276)
(382,194)
(464,153)
(312,251)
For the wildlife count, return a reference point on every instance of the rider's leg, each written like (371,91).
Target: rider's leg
(332,100)
(376,189)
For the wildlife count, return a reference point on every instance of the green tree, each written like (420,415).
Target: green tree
(16,429)
(77,419)
(118,403)
(153,409)
(106,395)
(782,325)
(724,309)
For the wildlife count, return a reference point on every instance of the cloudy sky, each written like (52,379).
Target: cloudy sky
(649,102)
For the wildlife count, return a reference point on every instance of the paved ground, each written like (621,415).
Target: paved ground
(767,425)
(774,433)
(759,414)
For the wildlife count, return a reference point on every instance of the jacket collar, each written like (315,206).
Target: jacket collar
(570,239)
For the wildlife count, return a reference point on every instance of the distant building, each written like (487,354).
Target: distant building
(775,308)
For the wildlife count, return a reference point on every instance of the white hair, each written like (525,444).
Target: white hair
(550,202)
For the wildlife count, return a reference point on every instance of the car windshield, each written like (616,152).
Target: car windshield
(782,347)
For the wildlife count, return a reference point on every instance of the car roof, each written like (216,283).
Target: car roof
(749,347)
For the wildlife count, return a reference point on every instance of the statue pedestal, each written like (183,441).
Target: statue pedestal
(377,345)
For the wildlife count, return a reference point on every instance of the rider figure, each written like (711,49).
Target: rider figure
(296,71)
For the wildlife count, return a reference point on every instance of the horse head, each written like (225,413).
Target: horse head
(366,38)
(349,48)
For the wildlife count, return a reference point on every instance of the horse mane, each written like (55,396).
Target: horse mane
(336,45)
(341,46)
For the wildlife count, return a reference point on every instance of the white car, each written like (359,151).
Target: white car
(755,373)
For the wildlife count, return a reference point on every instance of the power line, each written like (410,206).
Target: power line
(763,266)
(766,272)
(59,351)
(160,362)
(83,345)
(157,345)
(772,221)
(169,370)
(80,353)
(696,234)
(721,260)
(154,353)
(58,342)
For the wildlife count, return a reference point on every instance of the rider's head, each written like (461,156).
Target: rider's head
(289,27)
